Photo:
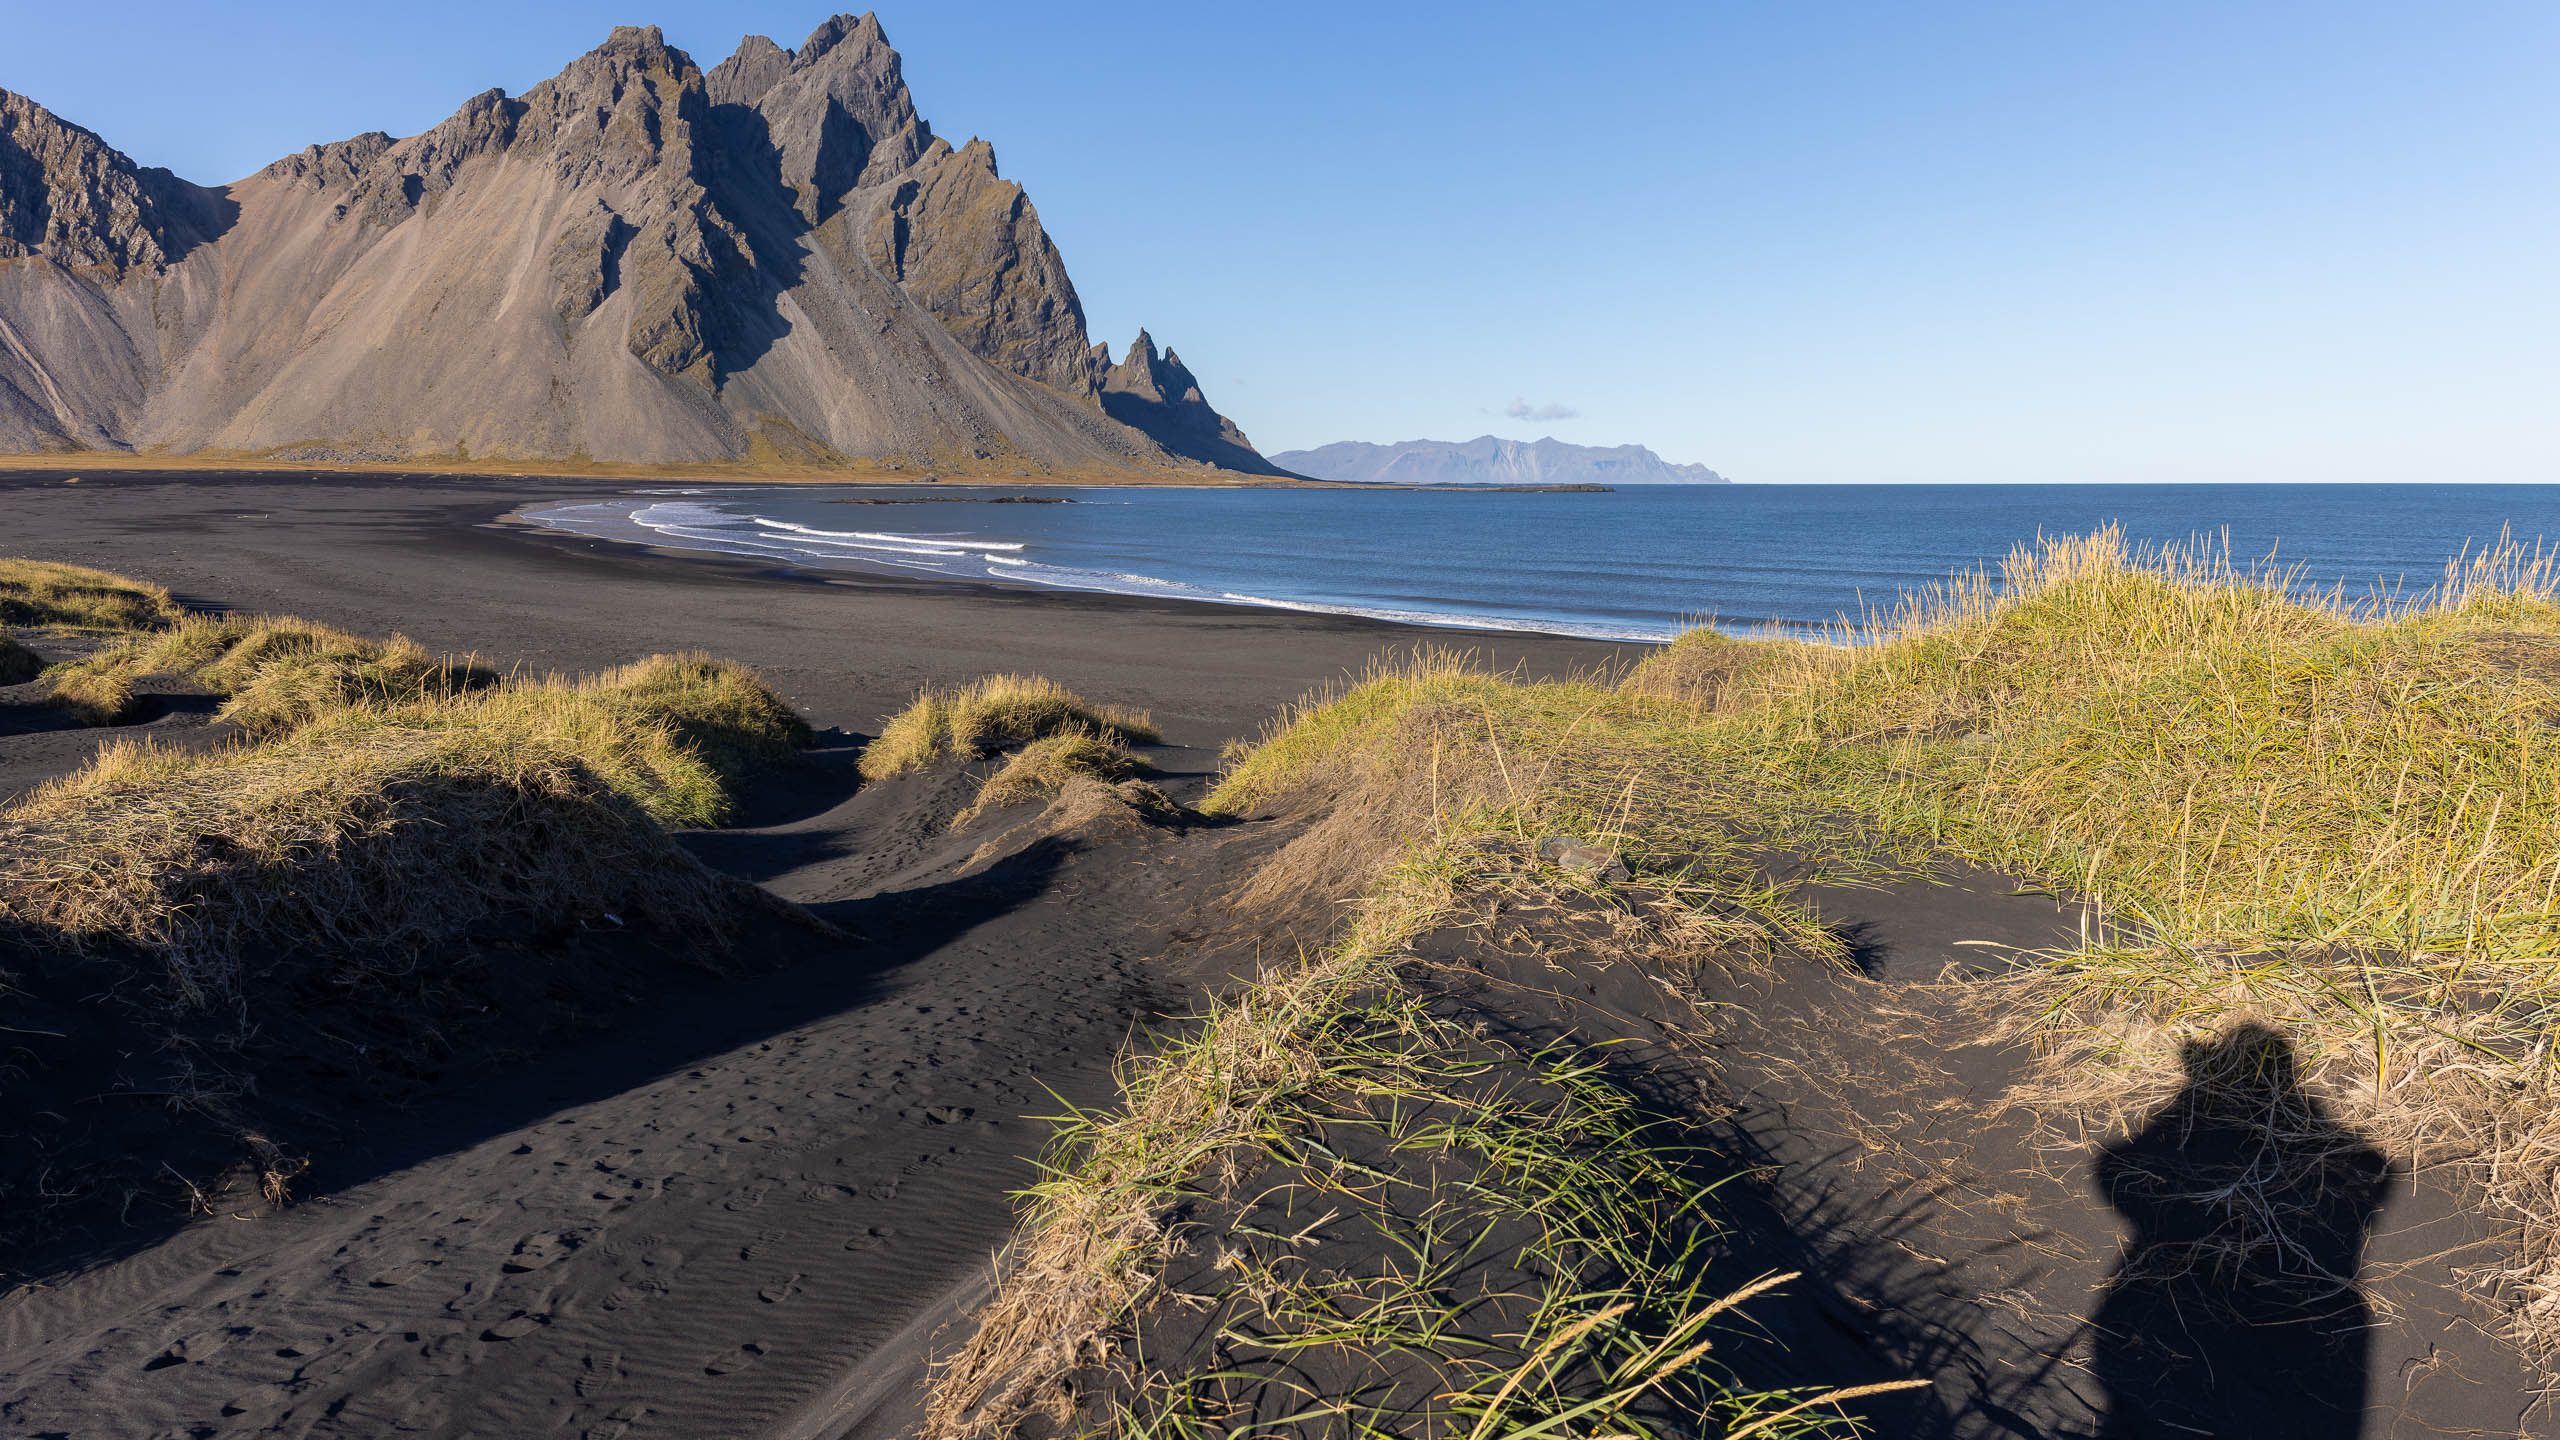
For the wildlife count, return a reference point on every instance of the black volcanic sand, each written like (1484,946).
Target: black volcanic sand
(642,1197)
(646,1199)
(1857,1141)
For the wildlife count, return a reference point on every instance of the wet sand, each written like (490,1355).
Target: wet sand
(427,558)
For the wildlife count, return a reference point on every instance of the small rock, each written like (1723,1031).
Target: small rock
(1596,861)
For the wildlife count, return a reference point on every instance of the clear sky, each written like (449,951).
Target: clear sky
(1795,241)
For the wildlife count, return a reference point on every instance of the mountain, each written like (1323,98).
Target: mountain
(1486,460)
(1160,396)
(635,261)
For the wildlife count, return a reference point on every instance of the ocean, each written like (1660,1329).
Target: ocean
(1640,563)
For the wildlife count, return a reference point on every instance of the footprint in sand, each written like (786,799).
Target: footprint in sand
(258,1401)
(597,1371)
(396,1274)
(730,1362)
(515,1326)
(780,1290)
(615,1425)
(871,1239)
(192,1348)
(327,1362)
(536,1251)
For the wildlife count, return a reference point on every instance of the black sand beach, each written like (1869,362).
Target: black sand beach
(379,553)
(749,1201)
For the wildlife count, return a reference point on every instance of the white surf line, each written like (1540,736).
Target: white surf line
(884,544)
(813,531)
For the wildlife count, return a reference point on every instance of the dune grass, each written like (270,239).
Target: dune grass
(275,671)
(1614,1315)
(976,720)
(40,592)
(378,831)
(2336,815)
(1046,766)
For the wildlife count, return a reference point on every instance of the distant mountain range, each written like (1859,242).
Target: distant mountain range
(638,260)
(1488,460)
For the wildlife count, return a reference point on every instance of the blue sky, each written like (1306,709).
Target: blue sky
(1795,241)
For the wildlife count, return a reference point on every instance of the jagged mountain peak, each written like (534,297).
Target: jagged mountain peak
(840,117)
(836,29)
(338,162)
(633,260)
(1158,394)
(750,71)
(66,194)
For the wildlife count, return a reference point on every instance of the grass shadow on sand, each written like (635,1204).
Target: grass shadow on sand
(637,1013)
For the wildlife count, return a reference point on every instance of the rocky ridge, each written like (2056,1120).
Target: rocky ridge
(1491,460)
(1159,395)
(635,261)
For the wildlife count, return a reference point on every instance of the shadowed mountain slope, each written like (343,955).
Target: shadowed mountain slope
(634,262)
(1159,395)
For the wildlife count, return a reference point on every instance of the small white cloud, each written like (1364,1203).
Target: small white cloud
(1520,409)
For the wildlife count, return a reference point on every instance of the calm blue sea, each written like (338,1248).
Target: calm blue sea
(1639,563)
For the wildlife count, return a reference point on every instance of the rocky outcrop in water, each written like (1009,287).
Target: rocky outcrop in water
(634,261)
(1489,460)
(1158,394)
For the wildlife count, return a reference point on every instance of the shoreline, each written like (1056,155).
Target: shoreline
(431,558)
(852,571)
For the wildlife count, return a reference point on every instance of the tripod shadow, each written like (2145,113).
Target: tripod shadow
(2235,1309)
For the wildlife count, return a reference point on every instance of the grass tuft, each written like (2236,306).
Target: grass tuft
(719,709)
(1709,670)
(381,831)
(277,672)
(1046,766)
(986,715)
(39,592)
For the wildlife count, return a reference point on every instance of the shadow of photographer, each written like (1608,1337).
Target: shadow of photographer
(2235,1309)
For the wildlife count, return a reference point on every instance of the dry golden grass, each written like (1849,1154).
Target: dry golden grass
(378,831)
(40,592)
(1095,1237)
(986,715)
(2334,817)
(716,708)
(1265,1061)
(275,670)
(1046,766)
(1413,779)
(1709,670)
